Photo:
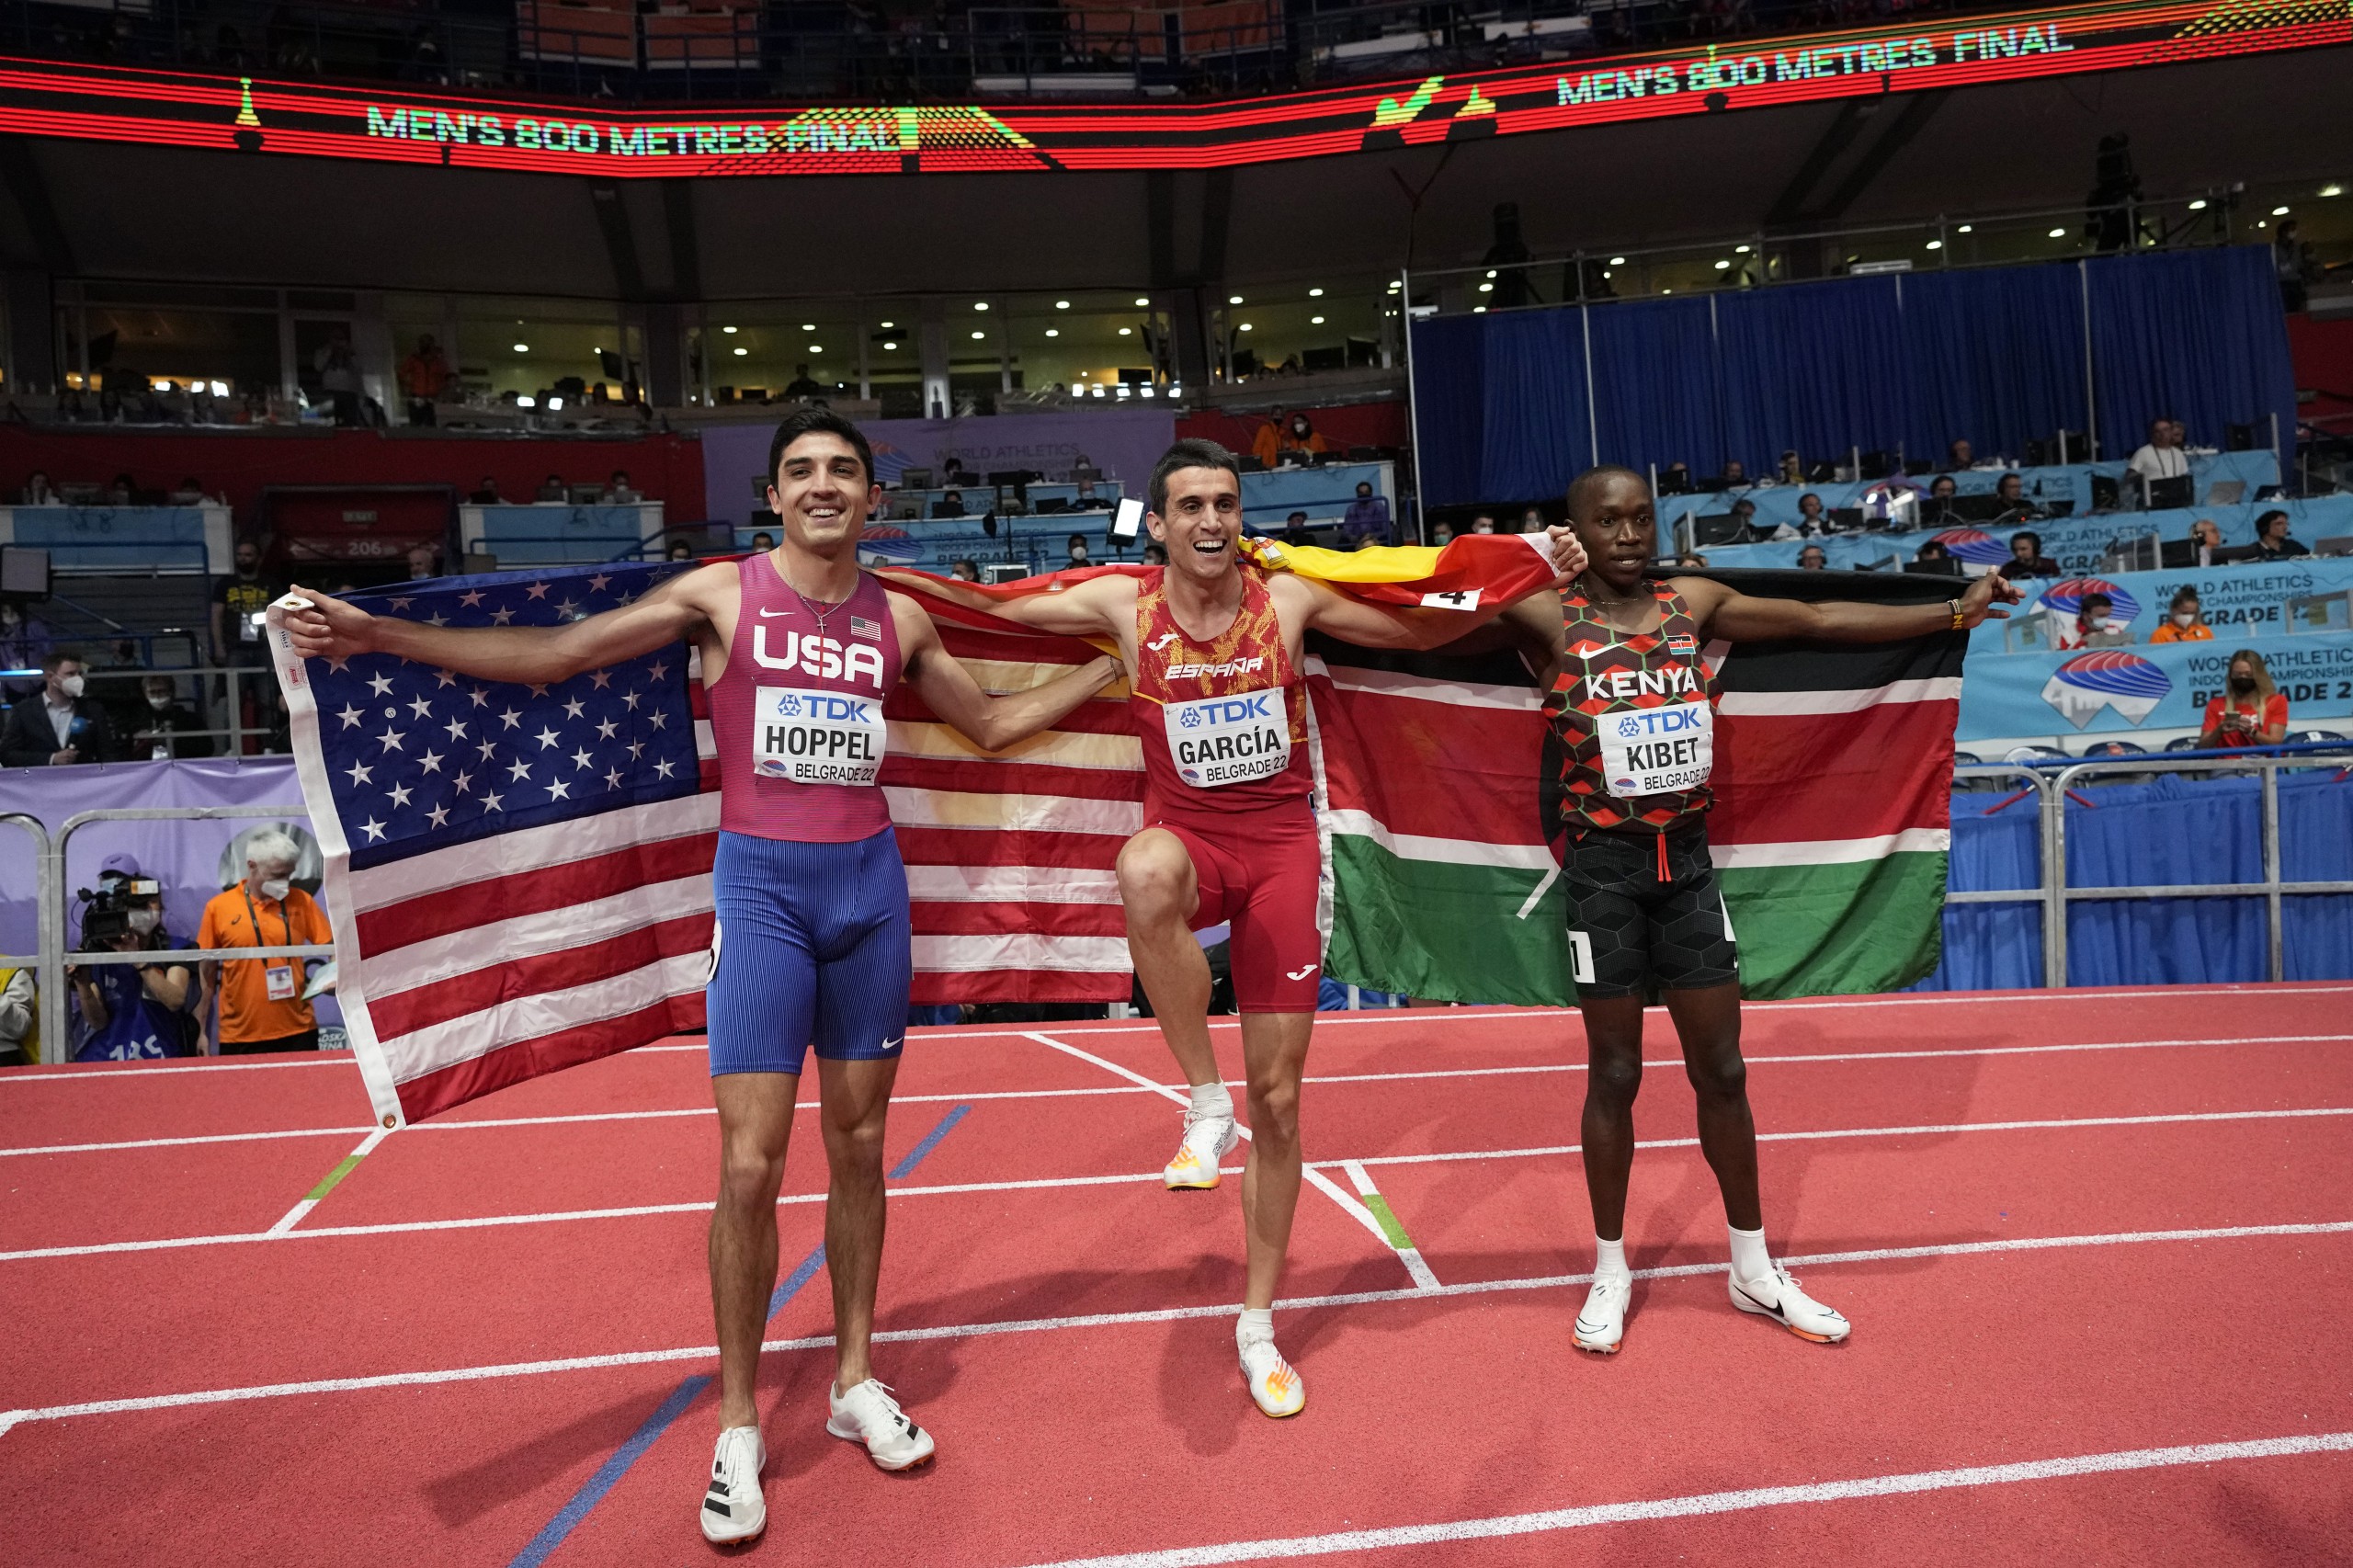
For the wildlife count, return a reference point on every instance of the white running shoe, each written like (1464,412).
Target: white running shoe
(734,1510)
(1777,1296)
(867,1415)
(1602,1322)
(1274,1382)
(1206,1139)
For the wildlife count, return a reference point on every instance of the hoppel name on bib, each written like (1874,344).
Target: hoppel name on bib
(817,737)
(1655,751)
(1227,739)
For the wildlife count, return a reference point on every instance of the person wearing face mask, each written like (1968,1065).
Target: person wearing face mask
(60,726)
(2184,620)
(2251,712)
(125,1012)
(262,1007)
(162,726)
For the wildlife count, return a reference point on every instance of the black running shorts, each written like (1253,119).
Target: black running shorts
(1634,933)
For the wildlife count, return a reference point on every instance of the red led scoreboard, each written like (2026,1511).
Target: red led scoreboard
(171,109)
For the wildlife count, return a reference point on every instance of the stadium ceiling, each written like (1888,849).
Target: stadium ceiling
(1904,144)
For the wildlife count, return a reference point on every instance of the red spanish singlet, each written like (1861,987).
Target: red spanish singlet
(797,715)
(1224,729)
(1633,721)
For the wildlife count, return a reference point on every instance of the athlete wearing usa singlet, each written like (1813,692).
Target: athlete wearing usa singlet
(1630,747)
(811,941)
(1226,770)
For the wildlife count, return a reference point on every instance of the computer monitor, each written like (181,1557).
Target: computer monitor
(2226,492)
(2337,544)
(2231,555)
(2167,495)
(25,572)
(1847,519)
(1717,528)
(915,479)
(1982,508)
(1675,481)
(2106,494)
(2173,554)
(1938,566)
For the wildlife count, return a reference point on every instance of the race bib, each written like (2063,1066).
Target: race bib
(1657,751)
(278,980)
(817,737)
(1230,740)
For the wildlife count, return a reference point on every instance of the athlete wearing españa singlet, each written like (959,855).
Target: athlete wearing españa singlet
(1224,728)
(811,941)
(1628,751)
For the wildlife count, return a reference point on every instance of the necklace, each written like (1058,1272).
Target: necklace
(810,605)
(1606,602)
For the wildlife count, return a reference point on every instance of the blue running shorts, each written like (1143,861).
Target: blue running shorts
(812,948)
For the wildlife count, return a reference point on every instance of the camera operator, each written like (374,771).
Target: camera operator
(127,1011)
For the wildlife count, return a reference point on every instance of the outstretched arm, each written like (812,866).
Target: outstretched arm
(1097,607)
(1741,617)
(1415,626)
(535,654)
(989,721)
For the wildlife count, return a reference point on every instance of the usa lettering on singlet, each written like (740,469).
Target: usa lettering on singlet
(811,737)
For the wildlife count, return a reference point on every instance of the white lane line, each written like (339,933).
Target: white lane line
(1164,1314)
(1340,1020)
(1144,1085)
(1315,1178)
(293,1216)
(1722,1502)
(1314,1170)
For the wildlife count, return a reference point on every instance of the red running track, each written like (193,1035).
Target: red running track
(2092,1245)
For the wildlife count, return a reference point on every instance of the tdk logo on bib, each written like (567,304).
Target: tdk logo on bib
(1653,751)
(1228,740)
(817,737)
(822,657)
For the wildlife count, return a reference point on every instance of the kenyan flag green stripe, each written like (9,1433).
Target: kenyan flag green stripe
(1450,933)
(1839,929)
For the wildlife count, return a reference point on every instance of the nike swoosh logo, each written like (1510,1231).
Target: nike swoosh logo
(768,612)
(893,1044)
(1300,974)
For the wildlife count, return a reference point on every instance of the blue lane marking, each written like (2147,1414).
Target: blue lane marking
(592,1492)
(610,1473)
(930,1142)
(797,1279)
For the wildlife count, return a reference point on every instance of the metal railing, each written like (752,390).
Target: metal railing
(233,678)
(50,908)
(2053,782)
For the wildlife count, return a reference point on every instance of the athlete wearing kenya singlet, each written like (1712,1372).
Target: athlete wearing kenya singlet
(1224,729)
(1630,744)
(813,940)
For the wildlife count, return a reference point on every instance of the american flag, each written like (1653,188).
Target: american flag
(518,876)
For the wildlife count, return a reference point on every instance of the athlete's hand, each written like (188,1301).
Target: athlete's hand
(327,628)
(1977,603)
(1568,555)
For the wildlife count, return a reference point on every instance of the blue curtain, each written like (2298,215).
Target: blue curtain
(2197,335)
(1997,357)
(1994,355)
(1658,395)
(1816,368)
(1535,438)
(2172,829)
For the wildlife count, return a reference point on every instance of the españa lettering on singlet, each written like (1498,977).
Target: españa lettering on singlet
(797,715)
(1633,719)
(1225,720)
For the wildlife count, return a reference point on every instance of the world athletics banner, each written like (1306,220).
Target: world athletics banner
(2158,687)
(2255,599)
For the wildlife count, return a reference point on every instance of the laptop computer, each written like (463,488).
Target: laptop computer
(2226,492)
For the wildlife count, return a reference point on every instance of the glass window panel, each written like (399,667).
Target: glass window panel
(1288,327)
(533,347)
(775,349)
(130,345)
(1080,340)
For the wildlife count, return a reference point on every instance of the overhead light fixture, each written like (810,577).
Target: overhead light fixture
(1315,293)
(1233,299)
(979,335)
(1491,272)
(1723,265)
(1617,261)
(1245,326)
(522,349)
(1740,250)
(808,326)
(980,304)
(890,346)
(816,349)
(1489,287)
(1393,287)
(888,325)
(2278,211)
(2199,205)
(1053,332)
(1315,321)
(2332,190)
(1936,244)
(1605,272)
(729,330)
(1061,304)
(2058,233)
(1478,309)
(1971,228)
(1127,332)
(741,352)
(1142,302)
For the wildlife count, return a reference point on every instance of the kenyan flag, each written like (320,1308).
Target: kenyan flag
(1833,769)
